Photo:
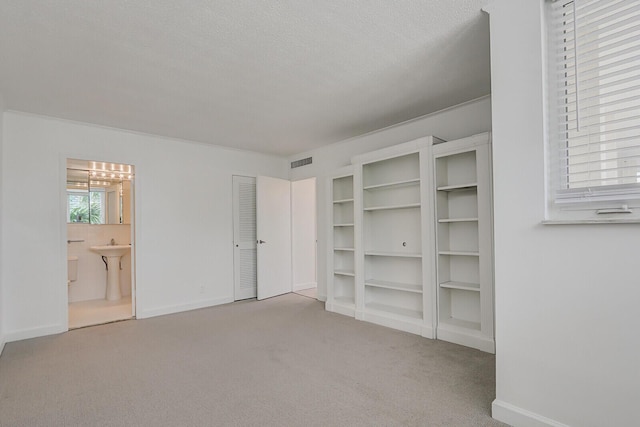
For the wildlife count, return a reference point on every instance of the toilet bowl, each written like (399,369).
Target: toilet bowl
(72,269)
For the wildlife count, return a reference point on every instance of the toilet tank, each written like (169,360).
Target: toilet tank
(72,268)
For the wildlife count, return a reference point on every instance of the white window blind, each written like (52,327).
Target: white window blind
(594,124)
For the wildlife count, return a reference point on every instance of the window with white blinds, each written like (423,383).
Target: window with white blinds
(594,81)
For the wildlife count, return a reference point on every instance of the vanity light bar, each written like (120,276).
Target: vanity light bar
(111,174)
(84,184)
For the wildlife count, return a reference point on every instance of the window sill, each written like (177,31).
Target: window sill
(589,221)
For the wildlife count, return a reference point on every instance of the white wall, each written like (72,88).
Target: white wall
(91,283)
(457,122)
(183,233)
(2,310)
(567,297)
(303,227)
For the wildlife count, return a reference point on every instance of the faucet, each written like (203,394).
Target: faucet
(113,242)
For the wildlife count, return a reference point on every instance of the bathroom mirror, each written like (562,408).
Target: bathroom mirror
(98,192)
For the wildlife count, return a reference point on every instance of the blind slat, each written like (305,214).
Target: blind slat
(567,84)
(566,125)
(588,22)
(617,31)
(565,77)
(630,139)
(569,107)
(590,89)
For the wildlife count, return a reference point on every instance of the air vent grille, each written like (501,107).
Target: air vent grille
(301,162)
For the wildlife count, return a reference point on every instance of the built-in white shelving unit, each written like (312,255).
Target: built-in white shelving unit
(411,240)
(395,270)
(462,178)
(341,292)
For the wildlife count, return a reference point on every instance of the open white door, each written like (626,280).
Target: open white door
(244,237)
(273,201)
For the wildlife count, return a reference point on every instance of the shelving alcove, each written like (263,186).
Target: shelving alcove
(394,257)
(463,222)
(341,275)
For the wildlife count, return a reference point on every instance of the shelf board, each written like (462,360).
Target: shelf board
(404,312)
(387,207)
(343,201)
(406,287)
(414,181)
(459,323)
(343,225)
(467,186)
(394,254)
(459,253)
(344,273)
(461,285)
(448,220)
(344,249)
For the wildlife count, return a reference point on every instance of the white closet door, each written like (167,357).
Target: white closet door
(273,197)
(244,237)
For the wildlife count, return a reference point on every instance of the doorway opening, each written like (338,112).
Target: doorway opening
(99,199)
(274,237)
(304,238)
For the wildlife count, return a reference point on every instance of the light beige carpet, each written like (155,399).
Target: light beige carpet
(279,362)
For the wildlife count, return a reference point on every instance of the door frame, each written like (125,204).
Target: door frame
(63,298)
(315,231)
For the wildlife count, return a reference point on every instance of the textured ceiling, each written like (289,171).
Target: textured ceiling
(279,77)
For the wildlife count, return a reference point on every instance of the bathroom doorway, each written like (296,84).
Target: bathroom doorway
(99,201)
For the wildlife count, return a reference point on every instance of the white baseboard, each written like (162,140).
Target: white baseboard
(428,332)
(40,331)
(391,321)
(518,417)
(322,298)
(345,310)
(1,345)
(303,286)
(466,338)
(171,309)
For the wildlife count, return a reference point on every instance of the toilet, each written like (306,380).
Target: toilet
(72,269)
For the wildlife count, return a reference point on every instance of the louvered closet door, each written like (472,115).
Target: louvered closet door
(244,237)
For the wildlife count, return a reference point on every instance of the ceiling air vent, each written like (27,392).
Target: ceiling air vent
(301,162)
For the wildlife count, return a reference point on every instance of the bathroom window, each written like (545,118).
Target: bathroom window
(86,207)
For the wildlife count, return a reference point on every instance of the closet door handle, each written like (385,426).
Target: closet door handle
(261,241)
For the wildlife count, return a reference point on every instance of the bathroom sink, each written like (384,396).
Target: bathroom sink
(111,250)
(113,254)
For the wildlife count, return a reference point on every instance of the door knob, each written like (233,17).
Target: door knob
(261,241)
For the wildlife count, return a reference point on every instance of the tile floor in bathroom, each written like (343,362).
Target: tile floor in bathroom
(96,312)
